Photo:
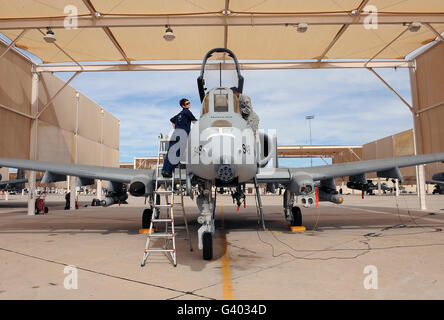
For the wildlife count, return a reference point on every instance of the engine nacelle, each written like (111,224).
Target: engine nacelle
(266,149)
(301,183)
(141,186)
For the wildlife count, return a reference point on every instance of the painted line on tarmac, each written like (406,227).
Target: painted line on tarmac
(394,214)
(227,284)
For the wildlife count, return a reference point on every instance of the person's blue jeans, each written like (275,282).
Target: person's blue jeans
(168,167)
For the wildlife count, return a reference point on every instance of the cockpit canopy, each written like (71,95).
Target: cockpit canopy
(220,100)
(220,69)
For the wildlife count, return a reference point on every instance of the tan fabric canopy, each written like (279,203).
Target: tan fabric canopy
(130,30)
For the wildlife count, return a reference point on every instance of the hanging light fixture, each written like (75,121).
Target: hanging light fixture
(50,36)
(169,35)
(302,27)
(415,26)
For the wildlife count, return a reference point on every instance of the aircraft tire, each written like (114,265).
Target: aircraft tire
(207,239)
(146,218)
(297,217)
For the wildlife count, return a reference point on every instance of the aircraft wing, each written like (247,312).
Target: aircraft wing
(12,182)
(435,182)
(124,175)
(384,166)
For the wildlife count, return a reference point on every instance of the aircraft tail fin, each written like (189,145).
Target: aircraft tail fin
(20,174)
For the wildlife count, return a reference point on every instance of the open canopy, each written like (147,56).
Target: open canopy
(131,30)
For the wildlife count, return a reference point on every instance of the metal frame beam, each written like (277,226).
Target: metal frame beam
(219,19)
(386,46)
(244,66)
(57,93)
(12,44)
(107,30)
(343,29)
(393,90)
(63,51)
(17,112)
(434,31)
(430,107)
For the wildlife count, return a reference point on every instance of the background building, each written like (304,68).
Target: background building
(64,125)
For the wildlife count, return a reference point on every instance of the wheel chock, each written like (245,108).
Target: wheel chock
(146,230)
(295,228)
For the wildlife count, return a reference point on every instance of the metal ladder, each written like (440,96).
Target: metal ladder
(168,192)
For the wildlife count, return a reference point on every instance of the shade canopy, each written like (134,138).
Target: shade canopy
(133,30)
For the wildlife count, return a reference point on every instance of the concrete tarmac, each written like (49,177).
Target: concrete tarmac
(380,247)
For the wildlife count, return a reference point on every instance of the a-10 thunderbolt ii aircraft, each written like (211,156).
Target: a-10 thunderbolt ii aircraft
(16,185)
(438,181)
(219,125)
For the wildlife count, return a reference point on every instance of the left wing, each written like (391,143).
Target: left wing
(435,182)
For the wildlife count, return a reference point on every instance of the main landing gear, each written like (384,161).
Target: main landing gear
(293,213)
(148,213)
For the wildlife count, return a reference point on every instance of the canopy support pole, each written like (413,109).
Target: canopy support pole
(342,30)
(33,142)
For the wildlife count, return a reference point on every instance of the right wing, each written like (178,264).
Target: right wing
(384,167)
(435,182)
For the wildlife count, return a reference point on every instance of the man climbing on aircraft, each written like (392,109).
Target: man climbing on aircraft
(182,120)
(247,110)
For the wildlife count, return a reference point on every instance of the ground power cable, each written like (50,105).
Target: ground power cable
(366,241)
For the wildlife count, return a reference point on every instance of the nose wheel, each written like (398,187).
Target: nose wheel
(207,241)
(146,218)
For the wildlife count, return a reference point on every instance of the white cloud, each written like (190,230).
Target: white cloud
(350,106)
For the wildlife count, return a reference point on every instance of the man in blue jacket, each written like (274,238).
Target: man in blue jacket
(182,121)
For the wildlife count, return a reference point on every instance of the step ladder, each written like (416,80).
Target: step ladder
(169,191)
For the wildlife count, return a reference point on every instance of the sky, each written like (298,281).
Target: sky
(351,106)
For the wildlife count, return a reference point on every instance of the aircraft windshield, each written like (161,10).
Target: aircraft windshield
(220,72)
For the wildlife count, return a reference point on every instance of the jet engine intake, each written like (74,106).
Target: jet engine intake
(266,149)
(141,186)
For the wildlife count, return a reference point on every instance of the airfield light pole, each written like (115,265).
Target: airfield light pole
(310,118)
